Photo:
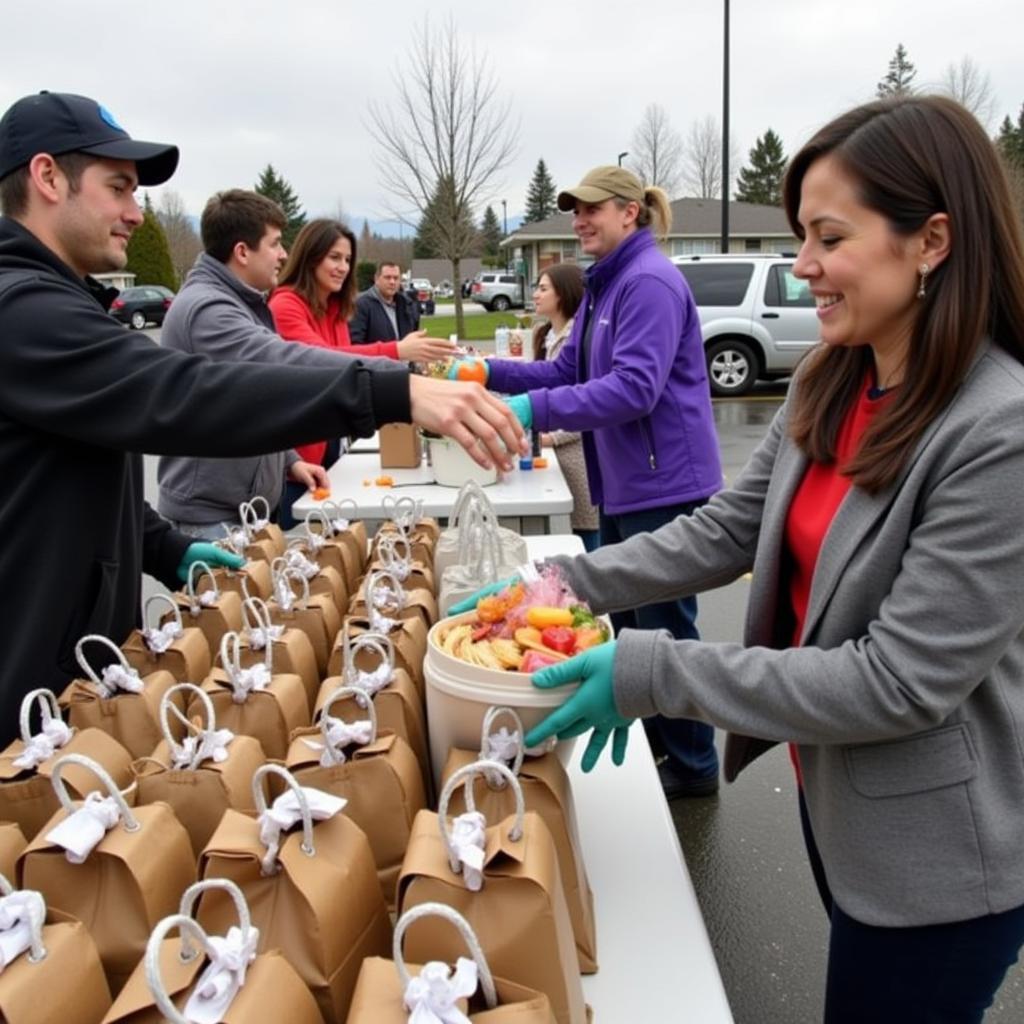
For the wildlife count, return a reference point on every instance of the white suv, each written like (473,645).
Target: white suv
(757,319)
(497,290)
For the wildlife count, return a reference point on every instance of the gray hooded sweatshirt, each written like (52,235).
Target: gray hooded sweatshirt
(217,315)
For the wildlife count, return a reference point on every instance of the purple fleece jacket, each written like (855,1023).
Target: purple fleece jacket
(643,403)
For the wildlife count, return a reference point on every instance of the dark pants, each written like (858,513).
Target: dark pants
(591,539)
(689,745)
(931,974)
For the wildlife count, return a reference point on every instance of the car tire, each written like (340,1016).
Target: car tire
(138,320)
(732,367)
(501,303)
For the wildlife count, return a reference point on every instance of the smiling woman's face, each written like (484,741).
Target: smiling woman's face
(332,270)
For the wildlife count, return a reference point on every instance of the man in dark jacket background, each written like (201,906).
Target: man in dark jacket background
(384,312)
(81,398)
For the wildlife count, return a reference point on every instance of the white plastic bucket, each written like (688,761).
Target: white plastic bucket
(453,466)
(459,694)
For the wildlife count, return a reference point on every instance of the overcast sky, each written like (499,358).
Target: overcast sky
(236,84)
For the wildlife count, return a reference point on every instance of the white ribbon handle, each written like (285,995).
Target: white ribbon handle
(426,995)
(22,916)
(339,522)
(467,774)
(317,539)
(262,635)
(237,539)
(197,602)
(54,734)
(120,676)
(283,592)
(337,733)
(209,744)
(301,803)
(159,638)
(374,681)
(248,515)
(244,681)
(190,897)
(502,745)
(151,962)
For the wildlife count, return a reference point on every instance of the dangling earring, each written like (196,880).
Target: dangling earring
(924,270)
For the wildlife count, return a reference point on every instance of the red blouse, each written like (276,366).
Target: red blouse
(814,506)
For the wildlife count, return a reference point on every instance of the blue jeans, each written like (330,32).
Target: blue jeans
(689,745)
(591,539)
(205,531)
(930,974)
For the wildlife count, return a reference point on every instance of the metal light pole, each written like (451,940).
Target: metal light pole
(504,227)
(725,133)
(621,155)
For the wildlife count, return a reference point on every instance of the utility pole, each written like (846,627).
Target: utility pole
(725,133)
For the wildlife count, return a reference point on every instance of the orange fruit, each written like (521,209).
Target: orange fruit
(473,372)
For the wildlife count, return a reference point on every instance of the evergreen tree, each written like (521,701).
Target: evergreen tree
(490,233)
(443,228)
(149,256)
(273,186)
(898,78)
(761,182)
(1011,140)
(365,238)
(541,195)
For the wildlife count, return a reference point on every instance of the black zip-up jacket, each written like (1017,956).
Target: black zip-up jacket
(81,399)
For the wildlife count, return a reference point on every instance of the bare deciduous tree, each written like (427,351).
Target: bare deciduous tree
(969,85)
(182,240)
(444,140)
(702,160)
(657,150)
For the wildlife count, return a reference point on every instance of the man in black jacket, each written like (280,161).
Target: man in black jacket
(384,312)
(81,398)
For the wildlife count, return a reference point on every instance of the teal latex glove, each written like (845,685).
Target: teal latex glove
(592,706)
(523,408)
(209,553)
(470,369)
(469,603)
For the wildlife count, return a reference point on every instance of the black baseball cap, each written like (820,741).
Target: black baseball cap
(61,122)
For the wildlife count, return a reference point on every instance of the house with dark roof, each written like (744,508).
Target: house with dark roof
(696,228)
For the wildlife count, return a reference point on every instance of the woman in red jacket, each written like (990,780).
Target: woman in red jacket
(312,305)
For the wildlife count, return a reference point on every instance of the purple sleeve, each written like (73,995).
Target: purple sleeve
(513,377)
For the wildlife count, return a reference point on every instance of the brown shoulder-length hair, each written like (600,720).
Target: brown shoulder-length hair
(914,157)
(567,282)
(312,244)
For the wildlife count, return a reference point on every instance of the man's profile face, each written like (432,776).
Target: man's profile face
(388,281)
(94,223)
(265,261)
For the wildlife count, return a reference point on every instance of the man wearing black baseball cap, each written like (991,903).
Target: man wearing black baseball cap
(81,398)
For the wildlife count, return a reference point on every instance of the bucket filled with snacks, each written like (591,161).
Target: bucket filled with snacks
(484,658)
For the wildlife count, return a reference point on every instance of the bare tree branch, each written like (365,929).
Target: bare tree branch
(658,150)
(182,240)
(970,86)
(702,160)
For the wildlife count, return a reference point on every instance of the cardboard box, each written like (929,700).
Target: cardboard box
(400,446)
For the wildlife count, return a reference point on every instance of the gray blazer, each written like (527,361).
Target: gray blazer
(906,696)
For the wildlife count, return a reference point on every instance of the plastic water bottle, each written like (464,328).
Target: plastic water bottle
(501,341)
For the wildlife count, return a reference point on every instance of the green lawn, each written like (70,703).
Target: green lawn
(479,327)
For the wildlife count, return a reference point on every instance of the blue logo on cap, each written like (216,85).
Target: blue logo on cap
(107,116)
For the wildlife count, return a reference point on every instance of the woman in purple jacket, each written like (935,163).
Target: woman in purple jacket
(632,379)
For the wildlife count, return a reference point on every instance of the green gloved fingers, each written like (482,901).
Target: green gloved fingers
(523,408)
(592,706)
(212,554)
(469,603)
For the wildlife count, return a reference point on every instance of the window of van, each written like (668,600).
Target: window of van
(718,284)
(784,288)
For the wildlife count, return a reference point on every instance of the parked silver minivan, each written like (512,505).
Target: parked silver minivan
(756,317)
(497,290)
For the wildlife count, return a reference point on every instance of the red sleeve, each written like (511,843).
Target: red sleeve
(294,319)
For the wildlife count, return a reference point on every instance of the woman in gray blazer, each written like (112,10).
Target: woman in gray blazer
(881,518)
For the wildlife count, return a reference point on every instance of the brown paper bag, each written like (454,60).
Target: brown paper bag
(385,992)
(255,515)
(292,652)
(547,791)
(314,895)
(131,878)
(334,546)
(348,529)
(375,772)
(214,611)
(117,701)
(394,555)
(173,648)
(203,776)
(408,638)
(405,516)
(12,845)
(382,592)
(322,579)
(252,580)
(59,978)
(369,664)
(242,541)
(517,907)
(255,700)
(26,792)
(317,616)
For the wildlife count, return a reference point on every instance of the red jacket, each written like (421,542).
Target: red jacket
(296,321)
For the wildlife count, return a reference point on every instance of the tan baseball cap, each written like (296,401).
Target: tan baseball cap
(603,183)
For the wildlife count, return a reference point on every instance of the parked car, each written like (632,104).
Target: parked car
(497,290)
(141,305)
(424,294)
(756,317)
(444,290)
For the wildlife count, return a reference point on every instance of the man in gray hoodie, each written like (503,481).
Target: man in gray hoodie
(222,312)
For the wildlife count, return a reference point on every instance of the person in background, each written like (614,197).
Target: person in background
(632,378)
(312,305)
(384,313)
(81,398)
(557,296)
(881,520)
